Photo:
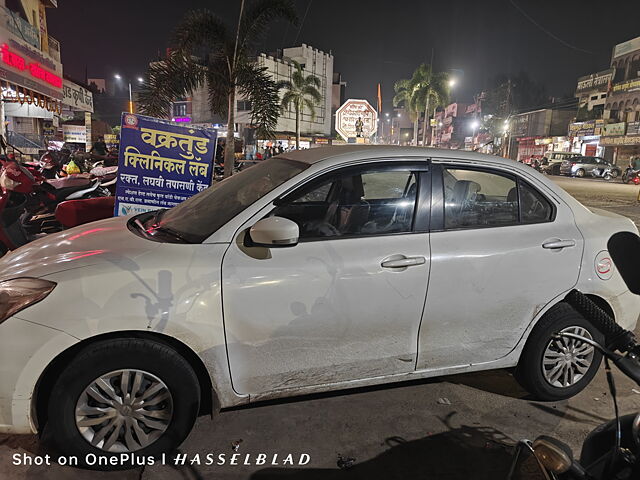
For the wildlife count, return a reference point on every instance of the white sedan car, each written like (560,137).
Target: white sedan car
(317,270)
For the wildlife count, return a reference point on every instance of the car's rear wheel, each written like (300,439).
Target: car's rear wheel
(122,396)
(580,173)
(555,368)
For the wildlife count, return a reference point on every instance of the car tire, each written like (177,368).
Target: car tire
(580,173)
(535,370)
(157,425)
(555,170)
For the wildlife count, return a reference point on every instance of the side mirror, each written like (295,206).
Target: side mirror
(274,232)
(553,454)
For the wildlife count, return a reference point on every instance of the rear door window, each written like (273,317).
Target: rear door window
(478,198)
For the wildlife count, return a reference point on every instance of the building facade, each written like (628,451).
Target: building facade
(536,133)
(313,128)
(621,133)
(30,74)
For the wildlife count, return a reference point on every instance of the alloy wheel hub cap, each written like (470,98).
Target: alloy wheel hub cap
(124,410)
(566,360)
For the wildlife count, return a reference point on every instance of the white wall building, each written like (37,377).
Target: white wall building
(314,62)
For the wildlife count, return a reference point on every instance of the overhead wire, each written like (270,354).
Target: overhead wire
(552,35)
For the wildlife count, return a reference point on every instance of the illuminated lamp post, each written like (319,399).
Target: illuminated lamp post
(139,79)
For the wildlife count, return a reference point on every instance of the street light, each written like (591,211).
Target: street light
(452,83)
(140,80)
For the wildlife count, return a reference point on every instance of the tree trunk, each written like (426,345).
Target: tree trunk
(426,122)
(297,126)
(415,131)
(230,145)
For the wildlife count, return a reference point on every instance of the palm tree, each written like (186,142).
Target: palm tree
(302,92)
(207,53)
(430,90)
(404,98)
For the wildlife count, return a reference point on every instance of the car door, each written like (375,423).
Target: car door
(343,304)
(500,251)
(590,164)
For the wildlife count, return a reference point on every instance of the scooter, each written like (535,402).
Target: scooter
(51,163)
(631,175)
(44,195)
(12,207)
(611,451)
(608,172)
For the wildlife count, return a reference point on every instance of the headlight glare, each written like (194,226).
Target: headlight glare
(19,293)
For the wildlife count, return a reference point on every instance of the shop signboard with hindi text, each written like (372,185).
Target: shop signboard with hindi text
(596,81)
(74,133)
(76,97)
(161,164)
(614,129)
(633,128)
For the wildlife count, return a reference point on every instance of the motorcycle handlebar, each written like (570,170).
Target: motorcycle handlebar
(616,337)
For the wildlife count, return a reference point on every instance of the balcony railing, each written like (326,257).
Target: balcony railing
(54,48)
(20,27)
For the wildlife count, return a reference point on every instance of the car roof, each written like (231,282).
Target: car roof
(336,154)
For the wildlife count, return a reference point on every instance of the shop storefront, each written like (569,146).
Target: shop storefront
(624,147)
(288,142)
(585,137)
(77,107)
(528,148)
(31,82)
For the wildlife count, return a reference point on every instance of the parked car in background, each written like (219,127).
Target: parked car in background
(582,165)
(315,270)
(551,162)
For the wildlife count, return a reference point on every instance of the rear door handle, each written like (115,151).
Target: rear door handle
(554,244)
(402,262)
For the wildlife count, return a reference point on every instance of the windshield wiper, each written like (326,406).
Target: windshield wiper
(169,231)
(156,227)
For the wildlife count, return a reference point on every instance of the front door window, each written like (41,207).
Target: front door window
(356,203)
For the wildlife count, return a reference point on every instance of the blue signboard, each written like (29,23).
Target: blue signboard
(161,164)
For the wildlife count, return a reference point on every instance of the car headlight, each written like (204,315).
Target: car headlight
(19,293)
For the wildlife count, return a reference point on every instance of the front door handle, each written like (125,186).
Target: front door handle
(400,261)
(556,244)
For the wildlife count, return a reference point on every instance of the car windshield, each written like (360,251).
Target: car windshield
(200,216)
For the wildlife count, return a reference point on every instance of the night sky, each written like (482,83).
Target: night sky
(373,40)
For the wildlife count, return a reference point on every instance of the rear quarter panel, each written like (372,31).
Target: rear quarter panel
(597,226)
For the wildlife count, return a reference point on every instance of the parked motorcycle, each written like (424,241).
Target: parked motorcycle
(631,175)
(43,195)
(611,451)
(12,207)
(51,163)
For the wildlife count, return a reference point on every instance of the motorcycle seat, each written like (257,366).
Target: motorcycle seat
(63,192)
(70,182)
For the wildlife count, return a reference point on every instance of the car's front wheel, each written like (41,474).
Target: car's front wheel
(122,396)
(555,368)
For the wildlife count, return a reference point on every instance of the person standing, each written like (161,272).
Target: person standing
(99,147)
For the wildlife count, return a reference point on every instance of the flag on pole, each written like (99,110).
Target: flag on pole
(379,100)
